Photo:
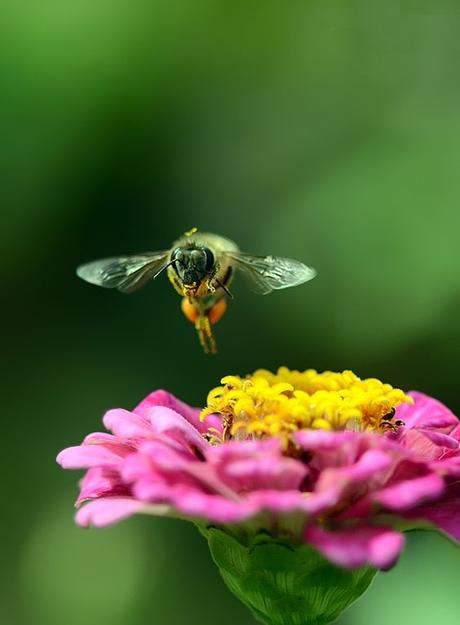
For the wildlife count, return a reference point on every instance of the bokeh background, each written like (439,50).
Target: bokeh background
(324,130)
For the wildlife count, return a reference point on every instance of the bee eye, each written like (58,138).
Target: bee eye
(196,255)
(178,254)
(209,259)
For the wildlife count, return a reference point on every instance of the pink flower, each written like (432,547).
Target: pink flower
(340,463)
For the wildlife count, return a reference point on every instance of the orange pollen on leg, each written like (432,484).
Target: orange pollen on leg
(216,313)
(189,310)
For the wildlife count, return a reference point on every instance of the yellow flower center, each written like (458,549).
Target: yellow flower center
(277,404)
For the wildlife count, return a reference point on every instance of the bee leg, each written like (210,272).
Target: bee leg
(203,327)
(205,322)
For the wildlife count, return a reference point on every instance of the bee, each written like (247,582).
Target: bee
(201,267)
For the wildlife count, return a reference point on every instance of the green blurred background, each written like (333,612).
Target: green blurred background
(328,131)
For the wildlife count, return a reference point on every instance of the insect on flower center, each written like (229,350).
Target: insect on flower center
(277,404)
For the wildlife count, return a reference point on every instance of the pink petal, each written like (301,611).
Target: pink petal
(135,467)
(191,500)
(279,473)
(371,464)
(339,449)
(166,422)
(251,465)
(312,440)
(427,412)
(155,486)
(377,546)
(99,482)
(206,478)
(153,490)
(448,466)
(237,450)
(438,438)
(163,455)
(212,507)
(445,516)
(455,433)
(106,511)
(86,456)
(410,493)
(280,501)
(420,445)
(103,438)
(192,415)
(170,470)
(126,424)
(291,501)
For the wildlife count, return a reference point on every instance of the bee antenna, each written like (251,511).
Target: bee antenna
(163,268)
(224,287)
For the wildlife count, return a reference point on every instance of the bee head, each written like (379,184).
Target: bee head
(192,264)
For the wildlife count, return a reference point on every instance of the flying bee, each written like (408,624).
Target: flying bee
(201,267)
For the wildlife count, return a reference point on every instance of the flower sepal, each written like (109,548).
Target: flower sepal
(283,583)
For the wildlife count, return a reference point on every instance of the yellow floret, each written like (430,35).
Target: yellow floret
(277,404)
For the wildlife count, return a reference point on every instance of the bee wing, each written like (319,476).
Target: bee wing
(125,273)
(269,273)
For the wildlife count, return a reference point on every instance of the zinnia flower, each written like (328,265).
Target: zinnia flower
(309,473)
